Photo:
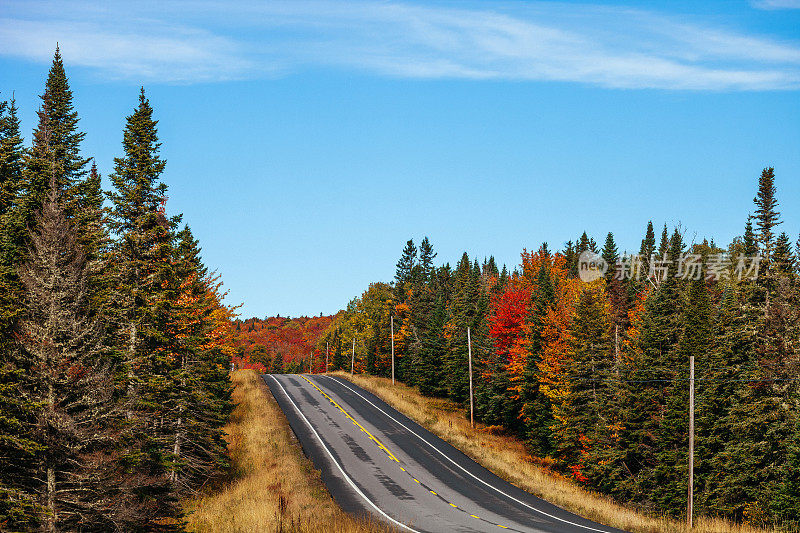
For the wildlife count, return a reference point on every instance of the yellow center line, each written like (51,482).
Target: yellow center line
(379,443)
(353,420)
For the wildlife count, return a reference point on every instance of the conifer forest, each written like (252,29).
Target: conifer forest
(116,345)
(114,383)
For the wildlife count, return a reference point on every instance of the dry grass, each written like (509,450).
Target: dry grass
(274,487)
(507,457)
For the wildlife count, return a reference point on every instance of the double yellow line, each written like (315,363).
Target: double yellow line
(354,421)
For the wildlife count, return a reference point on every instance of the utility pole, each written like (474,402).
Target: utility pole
(616,350)
(353,358)
(392,321)
(690,500)
(471,402)
(311,363)
(326,357)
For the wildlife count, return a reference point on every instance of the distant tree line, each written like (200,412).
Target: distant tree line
(280,344)
(593,376)
(114,382)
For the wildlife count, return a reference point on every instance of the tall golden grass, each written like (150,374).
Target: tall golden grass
(273,486)
(506,456)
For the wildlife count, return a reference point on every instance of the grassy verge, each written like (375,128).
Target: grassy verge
(273,486)
(507,457)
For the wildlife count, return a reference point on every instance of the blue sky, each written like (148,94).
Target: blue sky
(307,141)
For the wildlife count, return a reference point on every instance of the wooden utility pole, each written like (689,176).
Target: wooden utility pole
(353,357)
(392,321)
(616,350)
(311,363)
(471,402)
(326,357)
(690,500)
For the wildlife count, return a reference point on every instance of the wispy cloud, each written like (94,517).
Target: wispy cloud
(196,41)
(776,4)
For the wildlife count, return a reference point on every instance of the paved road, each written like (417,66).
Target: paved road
(375,460)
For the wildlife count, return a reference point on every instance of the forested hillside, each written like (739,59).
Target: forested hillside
(114,354)
(280,344)
(594,376)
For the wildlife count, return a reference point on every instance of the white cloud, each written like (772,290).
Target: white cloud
(776,4)
(196,40)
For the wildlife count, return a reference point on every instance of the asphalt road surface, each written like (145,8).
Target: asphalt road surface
(375,460)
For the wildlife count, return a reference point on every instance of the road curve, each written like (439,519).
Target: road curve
(375,460)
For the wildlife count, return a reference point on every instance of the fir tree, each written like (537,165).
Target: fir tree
(405,267)
(201,399)
(71,386)
(426,257)
(664,244)
(579,418)
(610,255)
(648,247)
(749,239)
(767,215)
(56,148)
(783,258)
(142,267)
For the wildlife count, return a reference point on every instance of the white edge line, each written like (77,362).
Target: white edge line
(464,469)
(346,477)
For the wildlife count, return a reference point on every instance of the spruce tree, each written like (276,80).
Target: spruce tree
(18,508)
(69,383)
(426,257)
(55,150)
(767,215)
(664,244)
(536,408)
(610,255)
(201,399)
(749,239)
(656,358)
(648,247)
(405,267)
(142,268)
(783,258)
(461,313)
(580,416)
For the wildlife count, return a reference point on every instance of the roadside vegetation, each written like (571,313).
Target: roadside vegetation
(273,486)
(507,457)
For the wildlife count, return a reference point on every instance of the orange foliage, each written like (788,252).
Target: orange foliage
(292,339)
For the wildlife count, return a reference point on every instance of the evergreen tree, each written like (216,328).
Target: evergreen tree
(11,184)
(405,267)
(656,358)
(56,149)
(18,509)
(71,386)
(648,247)
(202,397)
(610,255)
(571,258)
(664,244)
(767,215)
(783,258)
(426,257)
(536,408)
(142,266)
(461,315)
(580,417)
(749,239)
